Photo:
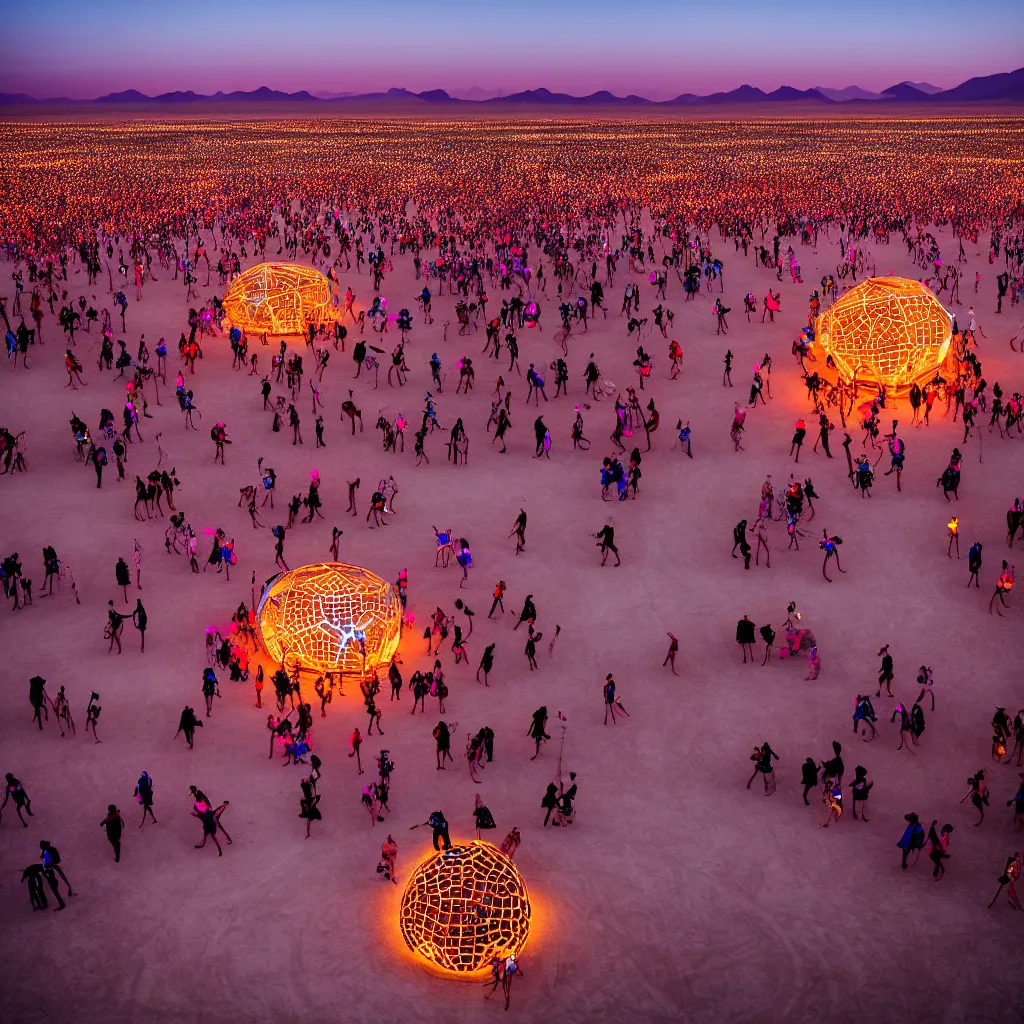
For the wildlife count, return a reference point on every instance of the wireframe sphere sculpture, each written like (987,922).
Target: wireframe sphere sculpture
(889,331)
(464,906)
(279,298)
(330,617)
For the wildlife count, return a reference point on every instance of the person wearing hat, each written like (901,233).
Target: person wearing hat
(114,825)
(912,838)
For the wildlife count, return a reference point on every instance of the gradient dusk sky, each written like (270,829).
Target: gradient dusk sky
(657,48)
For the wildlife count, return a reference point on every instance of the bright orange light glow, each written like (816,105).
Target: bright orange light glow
(330,617)
(464,906)
(888,331)
(279,298)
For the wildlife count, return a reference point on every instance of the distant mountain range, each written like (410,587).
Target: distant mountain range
(1007,87)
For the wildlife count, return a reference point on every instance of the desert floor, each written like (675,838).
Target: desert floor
(677,894)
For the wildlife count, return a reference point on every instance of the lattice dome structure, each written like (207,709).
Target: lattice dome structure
(464,906)
(279,298)
(888,331)
(330,617)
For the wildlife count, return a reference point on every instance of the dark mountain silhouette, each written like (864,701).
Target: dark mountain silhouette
(905,92)
(850,92)
(546,97)
(1004,87)
(1008,86)
(128,96)
(751,94)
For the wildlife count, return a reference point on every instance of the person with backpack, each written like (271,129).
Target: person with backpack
(50,857)
(912,838)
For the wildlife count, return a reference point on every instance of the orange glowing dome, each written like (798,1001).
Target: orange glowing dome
(330,617)
(464,906)
(279,298)
(888,331)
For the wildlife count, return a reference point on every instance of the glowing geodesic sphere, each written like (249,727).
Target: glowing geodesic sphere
(464,906)
(279,298)
(889,331)
(330,617)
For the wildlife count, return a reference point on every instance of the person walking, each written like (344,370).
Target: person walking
(114,825)
(50,857)
(144,795)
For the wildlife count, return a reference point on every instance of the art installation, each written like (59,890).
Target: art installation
(279,298)
(888,332)
(330,617)
(464,906)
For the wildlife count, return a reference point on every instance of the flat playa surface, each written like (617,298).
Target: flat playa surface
(677,894)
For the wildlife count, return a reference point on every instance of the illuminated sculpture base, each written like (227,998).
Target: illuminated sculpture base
(464,906)
(330,617)
(886,332)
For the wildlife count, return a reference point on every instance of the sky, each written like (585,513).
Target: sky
(655,48)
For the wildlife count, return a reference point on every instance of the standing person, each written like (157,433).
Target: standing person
(550,801)
(115,626)
(442,736)
(439,829)
(123,576)
(1010,876)
(355,742)
(768,636)
(511,843)
(606,542)
(486,663)
(210,817)
(519,530)
(954,537)
(140,620)
(833,797)
(974,563)
(13,790)
(144,795)
(939,842)
(483,818)
(531,649)
(885,674)
(188,723)
(50,856)
(537,731)
(608,692)
(388,860)
(808,777)
(799,433)
(92,715)
(37,697)
(762,758)
(978,792)
(510,970)
(912,838)
(673,650)
(308,804)
(861,788)
(114,825)
(499,593)
(745,638)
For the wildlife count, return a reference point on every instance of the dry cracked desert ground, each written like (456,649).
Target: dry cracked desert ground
(677,894)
